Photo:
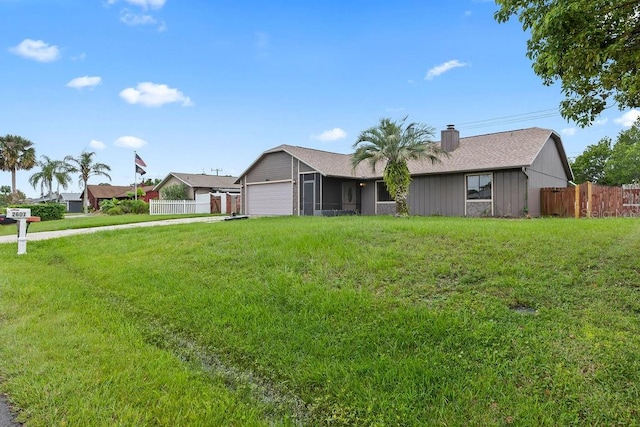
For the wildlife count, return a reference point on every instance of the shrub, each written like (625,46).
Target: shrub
(174,192)
(135,206)
(107,205)
(46,211)
(116,210)
(120,207)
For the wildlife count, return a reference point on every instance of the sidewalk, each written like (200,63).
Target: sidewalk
(13,238)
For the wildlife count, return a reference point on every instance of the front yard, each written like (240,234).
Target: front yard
(327,321)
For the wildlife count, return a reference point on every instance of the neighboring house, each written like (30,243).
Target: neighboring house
(72,201)
(98,193)
(200,184)
(49,198)
(498,174)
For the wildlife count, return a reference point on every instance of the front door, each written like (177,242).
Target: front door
(349,196)
(308,197)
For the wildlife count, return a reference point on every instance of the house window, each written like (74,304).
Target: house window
(479,187)
(382,194)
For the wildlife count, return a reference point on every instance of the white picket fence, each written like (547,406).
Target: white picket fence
(178,207)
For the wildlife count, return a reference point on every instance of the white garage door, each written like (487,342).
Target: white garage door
(270,199)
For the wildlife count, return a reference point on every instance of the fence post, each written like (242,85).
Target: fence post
(576,204)
(589,201)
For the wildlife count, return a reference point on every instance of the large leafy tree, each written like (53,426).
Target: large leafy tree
(591,46)
(86,168)
(610,163)
(394,143)
(623,166)
(51,171)
(590,165)
(16,153)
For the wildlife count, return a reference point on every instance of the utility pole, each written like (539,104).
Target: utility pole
(216,170)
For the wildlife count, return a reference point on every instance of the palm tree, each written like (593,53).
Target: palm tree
(84,166)
(16,153)
(51,170)
(394,144)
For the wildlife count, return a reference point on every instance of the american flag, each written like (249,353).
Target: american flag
(139,161)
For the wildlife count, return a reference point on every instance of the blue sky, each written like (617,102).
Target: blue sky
(199,85)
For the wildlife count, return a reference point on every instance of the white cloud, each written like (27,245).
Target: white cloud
(601,122)
(130,142)
(629,118)
(569,131)
(145,4)
(86,81)
(443,68)
(134,19)
(37,50)
(154,95)
(331,135)
(97,145)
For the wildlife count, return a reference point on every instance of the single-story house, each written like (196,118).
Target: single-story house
(498,174)
(98,193)
(72,201)
(200,184)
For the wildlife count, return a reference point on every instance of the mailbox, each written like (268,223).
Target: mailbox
(4,220)
(22,218)
(16,213)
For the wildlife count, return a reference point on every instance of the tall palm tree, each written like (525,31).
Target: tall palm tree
(84,166)
(393,143)
(50,171)
(16,153)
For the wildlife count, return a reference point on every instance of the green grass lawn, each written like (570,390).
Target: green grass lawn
(93,220)
(327,321)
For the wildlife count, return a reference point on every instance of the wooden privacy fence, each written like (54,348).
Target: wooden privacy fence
(591,201)
(225,203)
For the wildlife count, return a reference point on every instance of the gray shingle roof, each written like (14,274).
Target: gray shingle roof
(205,181)
(503,150)
(68,197)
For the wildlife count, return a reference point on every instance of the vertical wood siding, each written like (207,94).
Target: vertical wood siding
(295,170)
(445,194)
(305,167)
(545,171)
(509,192)
(437,195)
(368,198)
(273,167)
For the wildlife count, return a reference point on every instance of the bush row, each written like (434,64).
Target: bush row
(46,211)
(120,207)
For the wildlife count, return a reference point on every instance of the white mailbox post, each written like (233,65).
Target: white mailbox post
(20,215)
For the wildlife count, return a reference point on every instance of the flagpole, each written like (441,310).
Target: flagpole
(135,176)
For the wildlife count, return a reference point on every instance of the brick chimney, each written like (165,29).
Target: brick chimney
(450,139)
